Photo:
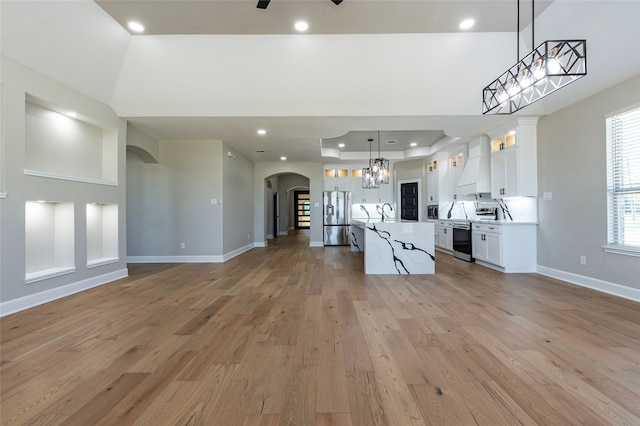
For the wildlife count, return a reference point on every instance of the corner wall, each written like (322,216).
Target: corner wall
(572,167)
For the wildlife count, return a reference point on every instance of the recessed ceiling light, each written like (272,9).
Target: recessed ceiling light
(340,145)
(262,132)
(283,158)
(301,25)
(413,144)
(466,24)
(135,26)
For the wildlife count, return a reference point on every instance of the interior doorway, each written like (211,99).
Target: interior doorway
(302,209)
(409,201)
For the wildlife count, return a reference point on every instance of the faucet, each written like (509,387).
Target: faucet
(363,208)
(383,214)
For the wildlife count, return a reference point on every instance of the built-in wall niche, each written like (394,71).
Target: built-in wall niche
(102,234)
(49,240)
(58,144)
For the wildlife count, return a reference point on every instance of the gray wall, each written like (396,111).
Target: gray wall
(170,202)
(19,81)
(237,187)
(572,166)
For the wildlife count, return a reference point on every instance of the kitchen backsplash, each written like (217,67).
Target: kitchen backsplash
(517,209)
(366,211)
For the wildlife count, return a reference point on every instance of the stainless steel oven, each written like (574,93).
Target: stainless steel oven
(462,240)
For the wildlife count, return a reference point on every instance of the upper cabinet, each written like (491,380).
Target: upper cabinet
(336,179)
(514,159)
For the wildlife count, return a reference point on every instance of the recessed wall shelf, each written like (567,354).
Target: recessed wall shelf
(57,145)
(49,240)
(102,234)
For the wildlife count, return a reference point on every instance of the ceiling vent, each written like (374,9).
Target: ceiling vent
(391,142)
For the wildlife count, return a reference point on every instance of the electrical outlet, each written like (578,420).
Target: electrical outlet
(583,260)
(181,245)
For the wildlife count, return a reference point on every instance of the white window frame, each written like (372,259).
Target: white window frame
(623,157)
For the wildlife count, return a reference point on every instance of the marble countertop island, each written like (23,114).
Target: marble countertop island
(394,246)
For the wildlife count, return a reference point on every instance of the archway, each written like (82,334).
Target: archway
(270,174)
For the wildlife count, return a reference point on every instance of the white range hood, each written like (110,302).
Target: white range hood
(476,176)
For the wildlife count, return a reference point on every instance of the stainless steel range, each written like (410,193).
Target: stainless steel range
(462,240)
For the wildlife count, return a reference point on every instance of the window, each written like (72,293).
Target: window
(623,181)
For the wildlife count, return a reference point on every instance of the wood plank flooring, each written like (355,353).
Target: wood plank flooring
(292,335)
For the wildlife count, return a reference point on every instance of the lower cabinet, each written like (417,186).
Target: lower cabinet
(510,247)
(445,235)
(486,245)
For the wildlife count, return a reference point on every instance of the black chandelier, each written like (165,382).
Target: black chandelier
(547,68)
(378,171)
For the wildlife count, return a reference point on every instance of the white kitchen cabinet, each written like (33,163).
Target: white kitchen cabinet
(454,175)
(508,247)
(514,159)
(445,235)
(486,243)
(504,173)
(336,180)
(433,183)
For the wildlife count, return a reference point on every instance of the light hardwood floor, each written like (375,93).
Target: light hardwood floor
(300,336)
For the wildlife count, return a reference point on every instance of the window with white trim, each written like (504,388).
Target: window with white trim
(623,180)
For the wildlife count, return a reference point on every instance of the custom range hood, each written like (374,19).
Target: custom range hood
(476,176)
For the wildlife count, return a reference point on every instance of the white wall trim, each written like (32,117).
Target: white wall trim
(26,302)
(269,236)
(284,233)
(66,177)
(592,283)
(175,259)
(237,252)
(260,244)
(316,244)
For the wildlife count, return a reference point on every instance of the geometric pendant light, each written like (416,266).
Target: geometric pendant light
(547,68)
(380,167)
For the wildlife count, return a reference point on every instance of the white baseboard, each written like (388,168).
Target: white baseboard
(269,236)
(592,283)
(26,302)
(283,233)
(237,252)
(260,244)
(175,259)
(316,244)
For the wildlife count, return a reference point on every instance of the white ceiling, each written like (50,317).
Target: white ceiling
(323,16)
(163,84)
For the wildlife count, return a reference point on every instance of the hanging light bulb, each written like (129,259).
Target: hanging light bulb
(553,64)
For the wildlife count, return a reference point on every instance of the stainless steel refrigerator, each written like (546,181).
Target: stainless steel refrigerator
(337,215)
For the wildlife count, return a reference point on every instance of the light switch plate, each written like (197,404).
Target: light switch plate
(546,196)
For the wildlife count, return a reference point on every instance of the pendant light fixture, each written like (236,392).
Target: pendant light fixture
(368,179)
(547,68)
(380,167)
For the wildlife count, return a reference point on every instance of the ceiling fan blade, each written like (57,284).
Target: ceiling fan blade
(336,2)
(262,4)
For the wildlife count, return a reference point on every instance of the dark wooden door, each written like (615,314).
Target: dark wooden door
(409,201)
(275,215)
(302,209)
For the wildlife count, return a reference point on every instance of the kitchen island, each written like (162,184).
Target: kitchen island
(394,247)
